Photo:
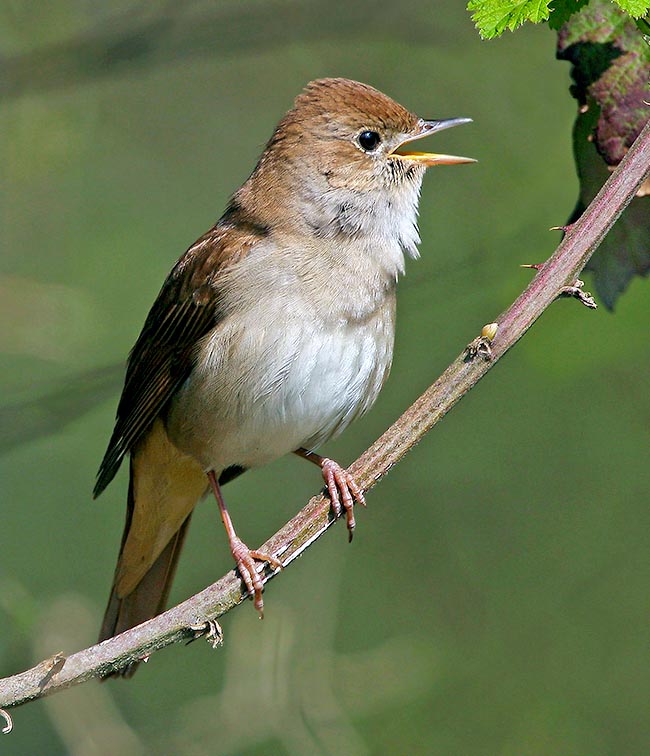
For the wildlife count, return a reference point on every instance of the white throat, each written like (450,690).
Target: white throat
(383,222)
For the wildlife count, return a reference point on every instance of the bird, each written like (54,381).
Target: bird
(272,332)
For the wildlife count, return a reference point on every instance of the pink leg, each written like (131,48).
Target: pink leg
(341,486)
(244,557)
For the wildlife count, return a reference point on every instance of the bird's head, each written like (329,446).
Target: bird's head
(356,137)
(340,160)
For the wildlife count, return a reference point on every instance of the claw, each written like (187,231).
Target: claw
(245,559)
(342,489)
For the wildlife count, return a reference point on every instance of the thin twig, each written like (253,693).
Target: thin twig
(9,724)
(186,620)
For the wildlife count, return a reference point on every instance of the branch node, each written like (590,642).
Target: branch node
(51,667)
(9,726)
(481,346)
(576,291)
(210,630)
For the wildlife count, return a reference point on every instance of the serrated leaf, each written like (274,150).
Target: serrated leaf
(636,8)
(611,71)
(493,17)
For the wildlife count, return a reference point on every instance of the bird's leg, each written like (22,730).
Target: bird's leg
(244,557)
(341,486)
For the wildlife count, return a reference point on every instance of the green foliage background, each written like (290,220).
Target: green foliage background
(493,17)
(495,598)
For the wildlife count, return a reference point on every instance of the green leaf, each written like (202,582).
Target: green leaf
(493,17)
(636,8)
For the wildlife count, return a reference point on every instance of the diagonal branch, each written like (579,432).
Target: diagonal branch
(195,617)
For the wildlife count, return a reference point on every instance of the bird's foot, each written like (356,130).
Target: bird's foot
(343,491)
(245,559)
(342,488)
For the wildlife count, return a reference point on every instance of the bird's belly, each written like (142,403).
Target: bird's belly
(258,394)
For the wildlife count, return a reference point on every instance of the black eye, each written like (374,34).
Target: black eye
(368,140)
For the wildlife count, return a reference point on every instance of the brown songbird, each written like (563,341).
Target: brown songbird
(272,333)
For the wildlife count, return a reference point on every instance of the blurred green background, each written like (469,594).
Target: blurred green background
(495,599)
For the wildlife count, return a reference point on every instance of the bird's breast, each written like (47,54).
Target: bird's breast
(290,366)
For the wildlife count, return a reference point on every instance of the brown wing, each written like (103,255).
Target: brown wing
(186,309)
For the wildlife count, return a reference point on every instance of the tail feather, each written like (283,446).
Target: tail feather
(147,600)
(164,487)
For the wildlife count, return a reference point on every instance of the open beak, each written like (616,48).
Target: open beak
(424,128)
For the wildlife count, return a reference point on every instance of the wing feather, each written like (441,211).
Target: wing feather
(186,309)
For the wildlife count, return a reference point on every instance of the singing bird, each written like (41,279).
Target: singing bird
(272,333)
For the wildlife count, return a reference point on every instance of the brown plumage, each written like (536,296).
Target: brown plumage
(185,310)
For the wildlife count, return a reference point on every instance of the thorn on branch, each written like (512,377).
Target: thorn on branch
(576,291)
(481,346)
(9,726)
(533,266)
(210,630)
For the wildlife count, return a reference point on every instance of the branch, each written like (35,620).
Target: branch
(196,616)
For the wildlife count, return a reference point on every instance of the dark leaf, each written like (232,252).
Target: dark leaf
(611,71)
(562,10)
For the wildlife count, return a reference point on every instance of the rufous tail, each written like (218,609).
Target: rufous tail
(147,600)
(164,487)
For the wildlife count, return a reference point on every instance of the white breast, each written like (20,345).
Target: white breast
(271,381)
(305,345)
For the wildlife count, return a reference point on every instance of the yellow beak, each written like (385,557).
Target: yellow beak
(425,128)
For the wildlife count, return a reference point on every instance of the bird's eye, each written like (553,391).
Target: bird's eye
(368,140)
